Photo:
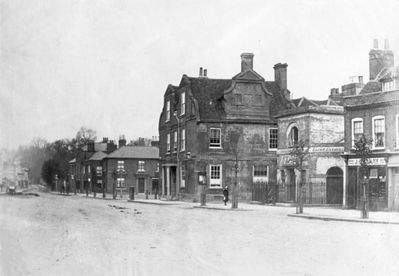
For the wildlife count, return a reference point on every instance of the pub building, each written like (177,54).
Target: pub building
(374,112)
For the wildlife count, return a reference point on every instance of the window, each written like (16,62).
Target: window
(215,176)
(183,176)
(183,140)
(273,138)
(141,166)
(260,173)
(168,143)
(378,132)
(182,103)
(389,85)
(293,137)
(99,171)
(215,138)
(397,131)
(120,165)
(357,129)
(157,166)
(175,141)
(167,110)
(120,182)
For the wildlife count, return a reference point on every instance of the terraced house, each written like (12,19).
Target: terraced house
(374,112)
(197,120)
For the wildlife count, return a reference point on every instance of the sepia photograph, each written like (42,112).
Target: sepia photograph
(199,137)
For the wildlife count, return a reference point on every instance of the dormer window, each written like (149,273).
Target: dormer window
(389,85)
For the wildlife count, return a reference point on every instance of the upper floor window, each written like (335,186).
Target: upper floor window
(141,166)
(215,138)
(175,141)
(293,137)
(273,138)
(168,142)
(378,132)
(397,131)
(183,140)
(182,103)
(215,176)
(357,129)
(167,110)
(120,165)
(157,166)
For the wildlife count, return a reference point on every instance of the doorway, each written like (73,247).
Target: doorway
(291,185)
(334,187)
(141,185)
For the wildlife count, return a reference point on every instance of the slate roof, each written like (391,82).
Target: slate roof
(98,156)
(135,152)
(370,87)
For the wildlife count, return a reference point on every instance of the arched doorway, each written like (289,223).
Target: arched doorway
(334,185)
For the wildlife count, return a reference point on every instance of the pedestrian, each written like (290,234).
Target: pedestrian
(225,195)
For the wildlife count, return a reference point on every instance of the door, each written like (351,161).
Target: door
(352,187)
(334,187)
(141,185)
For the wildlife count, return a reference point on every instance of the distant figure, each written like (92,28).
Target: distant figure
(225,195)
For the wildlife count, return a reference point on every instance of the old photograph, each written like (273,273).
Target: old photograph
(199,137)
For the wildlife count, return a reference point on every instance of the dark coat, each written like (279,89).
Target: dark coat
(226,194)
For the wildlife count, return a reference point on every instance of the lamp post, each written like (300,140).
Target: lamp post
(177,155)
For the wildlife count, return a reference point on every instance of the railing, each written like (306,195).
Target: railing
(264,192)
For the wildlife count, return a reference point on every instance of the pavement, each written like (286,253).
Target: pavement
(310,212)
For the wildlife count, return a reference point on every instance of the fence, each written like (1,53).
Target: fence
(267,193)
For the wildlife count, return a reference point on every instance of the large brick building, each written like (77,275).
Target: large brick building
(374,112)
(321,125)
(195,125)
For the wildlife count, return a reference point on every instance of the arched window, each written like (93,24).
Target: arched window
(293,136)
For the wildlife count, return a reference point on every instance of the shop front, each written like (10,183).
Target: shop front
(376,190)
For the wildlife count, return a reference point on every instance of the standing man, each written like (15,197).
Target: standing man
(225,195)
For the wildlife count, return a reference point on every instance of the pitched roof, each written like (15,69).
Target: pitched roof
(97,147)
(98,156)
(370,87)
(135,152)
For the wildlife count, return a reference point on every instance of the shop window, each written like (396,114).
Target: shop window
(378,132)
(215,176)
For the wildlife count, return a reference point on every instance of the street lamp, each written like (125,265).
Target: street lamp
(177,154)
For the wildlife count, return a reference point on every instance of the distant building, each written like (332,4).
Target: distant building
(321,125)
(195,124)
(374,112)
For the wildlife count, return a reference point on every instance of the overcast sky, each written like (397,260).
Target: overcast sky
(106,64)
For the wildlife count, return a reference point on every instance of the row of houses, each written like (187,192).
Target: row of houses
(104,167)
(196,147)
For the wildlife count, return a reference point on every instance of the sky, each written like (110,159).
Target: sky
(106,65)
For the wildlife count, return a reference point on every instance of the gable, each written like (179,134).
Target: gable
(249,74)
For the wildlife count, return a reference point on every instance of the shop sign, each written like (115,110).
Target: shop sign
(326,149)
(372,162)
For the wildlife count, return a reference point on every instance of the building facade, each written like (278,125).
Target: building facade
(200,120)
(320,124)
(374,113)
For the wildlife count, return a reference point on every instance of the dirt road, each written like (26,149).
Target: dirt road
(72,235)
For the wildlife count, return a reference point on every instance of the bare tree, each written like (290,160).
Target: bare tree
(234,137)
(362,149)
(84,135)
(300,152)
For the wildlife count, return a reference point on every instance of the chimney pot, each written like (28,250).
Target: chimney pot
(375,43)
(200,72)
(360,79)
(205,72)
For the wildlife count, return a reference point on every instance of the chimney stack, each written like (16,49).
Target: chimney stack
(200,72)
(378,59)
(247,61)
(280,75)
(386,44)
(110,146)
(122,141)
(105,139)
(205,72)
(360,79)
(375,43)
(90,146)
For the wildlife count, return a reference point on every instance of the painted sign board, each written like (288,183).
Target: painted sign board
(372,162)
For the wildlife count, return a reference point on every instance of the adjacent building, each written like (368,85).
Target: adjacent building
(320,124)
(374,112)
(197,125)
